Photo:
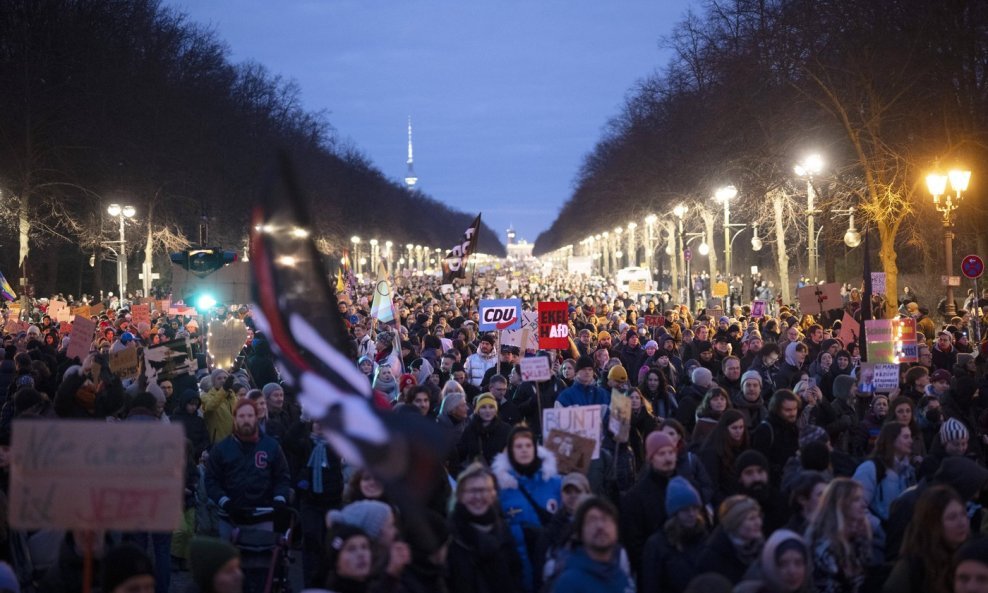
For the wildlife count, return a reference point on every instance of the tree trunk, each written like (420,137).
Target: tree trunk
(23,229)
(708,225)
(886,254)
(673,259)
(780,250)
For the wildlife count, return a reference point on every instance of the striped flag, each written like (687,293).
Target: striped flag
(383,306)
(6,291)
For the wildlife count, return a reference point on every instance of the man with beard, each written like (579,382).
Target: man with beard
(509,357)
(777,437)
(477,363)
(752,471)
(246,470)
(595,566)
(643,511)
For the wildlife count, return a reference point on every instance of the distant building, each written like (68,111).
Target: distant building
(410,178)
(518,250)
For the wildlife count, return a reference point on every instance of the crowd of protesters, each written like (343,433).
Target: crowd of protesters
(757,456)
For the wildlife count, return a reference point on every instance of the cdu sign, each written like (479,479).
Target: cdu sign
(500,314)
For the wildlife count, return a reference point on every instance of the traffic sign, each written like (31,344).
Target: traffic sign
(973,266)
(688,254)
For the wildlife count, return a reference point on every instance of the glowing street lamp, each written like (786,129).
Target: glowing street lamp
(936,183)
(810,166)
(122,213)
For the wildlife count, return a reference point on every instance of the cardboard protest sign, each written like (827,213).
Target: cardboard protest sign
(823,297)
(96,309)
(81,338)
(619,421)
(535,368)
(878,282)
(637,286)
(909,352)
(886,377)
(124,363)
(225,340)
(140,314)
(581,420)
(71,474)
(163,305)
(500,314)
(55,309)
(850,330)
(573,452)
(527,336)
(553,325)
(758,309)
(719,289)
(81,311)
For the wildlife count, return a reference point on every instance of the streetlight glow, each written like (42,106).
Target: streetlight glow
(650,219)
(936,184)
(130,211)
(959,179)
(704,249)
(726,193)
(114,209)
(811,165)
(680,210)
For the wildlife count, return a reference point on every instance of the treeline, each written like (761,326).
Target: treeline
(886,90)
(127,101)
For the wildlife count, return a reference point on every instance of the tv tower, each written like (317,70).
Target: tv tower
(410,178)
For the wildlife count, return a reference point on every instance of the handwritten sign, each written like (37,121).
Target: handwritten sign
(655,320)
(573,452)
(719,289)
(527,336)
(878,282)
(535,368)
(553,325)
(581,420)
(823,297)
(72,474)
(81,311)
(886,377)
(81,338)
(225,340)
(124,363)
(140,314)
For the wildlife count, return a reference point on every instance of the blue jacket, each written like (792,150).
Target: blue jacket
(579,395)
(584,575)
(544,488)
(247,474)
(881,495)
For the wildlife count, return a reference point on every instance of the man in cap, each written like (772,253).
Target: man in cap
(478,363)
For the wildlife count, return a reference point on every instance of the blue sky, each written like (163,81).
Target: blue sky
(506,97)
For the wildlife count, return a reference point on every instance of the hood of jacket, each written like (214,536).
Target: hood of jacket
(507,477)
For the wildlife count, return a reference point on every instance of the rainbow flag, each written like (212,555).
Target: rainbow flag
(5,289)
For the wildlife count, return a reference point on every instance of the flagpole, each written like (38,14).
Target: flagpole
(394,313)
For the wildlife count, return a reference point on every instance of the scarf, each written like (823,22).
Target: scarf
(389,387)
(317,462)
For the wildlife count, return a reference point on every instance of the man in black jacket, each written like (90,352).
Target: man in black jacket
(778,437)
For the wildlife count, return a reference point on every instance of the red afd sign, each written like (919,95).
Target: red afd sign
(553,325)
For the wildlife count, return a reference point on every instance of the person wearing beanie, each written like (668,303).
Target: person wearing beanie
(643,509)
(669,560)
(752,469)
(215,565)
(485,435)
(126,569)
(690,397)
(952,440)
(970,573)
(246,470)
(372,517)
(453,412)
(554,545)
(750,402)
(349,560)
(617,378)
(584,391)
(632,356)
(530,490)
(596,563)
(736,543)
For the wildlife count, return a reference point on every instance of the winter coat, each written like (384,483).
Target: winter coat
(585,575)
(217,409)
(482,442)
(481,561)
(195,427)
(476,366)
(524,520)
(583,395)
(666,568)
(778,440)
(720,556)
(529,407)
(632,360)
(643,513)
(247,474)
(881,494)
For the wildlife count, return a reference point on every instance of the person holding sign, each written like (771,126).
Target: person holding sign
(246,470)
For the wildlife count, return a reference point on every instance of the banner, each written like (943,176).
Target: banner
(6,291)
(553,325)
(655,320)
(455,262)
(169,360)
(500,314)
(584,421)
(383,307)
(70,474)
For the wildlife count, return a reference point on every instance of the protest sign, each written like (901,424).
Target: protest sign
(879,330)
(526,337)
(637,286)
(502,284)
(535,368)
(55,309)
(224,341)
(757,309)
(81,311)
(124,362)
(886,377)
(619,421)
(823,297)
(140,314)
(500,314)
(169,360)
(878,282)
(573,452)
(580,420)
(655,320)
(881,352)
(850,329)
(553,325)
(81,338)
(69,474)
(905,329)
(719,289)
(866,377)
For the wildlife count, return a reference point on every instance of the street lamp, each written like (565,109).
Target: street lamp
(374,255)
(937,184)
(122,213)
(356,251)
(680,211)
(724,196)
(811,165)
(632,251)
(650,221)
(387,255)
(756,241)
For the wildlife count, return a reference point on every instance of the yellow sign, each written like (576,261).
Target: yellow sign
(719,289)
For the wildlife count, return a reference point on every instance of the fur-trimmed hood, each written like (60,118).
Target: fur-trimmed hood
(507,477)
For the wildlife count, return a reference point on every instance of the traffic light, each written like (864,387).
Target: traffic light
(203,261)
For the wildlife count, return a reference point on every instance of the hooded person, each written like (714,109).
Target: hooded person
(737,542)
(843,430)
(187,413)
(217,405)
(670,557)
(783,566)
(215,565)
(530,490)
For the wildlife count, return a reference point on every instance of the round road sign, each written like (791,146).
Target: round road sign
(973,266)
(688,254)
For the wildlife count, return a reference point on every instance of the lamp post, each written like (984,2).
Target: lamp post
(649,246)
(387,256)
(122,213)
(680,211)
(617,249)
(606,263)
(356,252)
(374,254)
(811,165)
(937,184)
(632,250)
(724,196)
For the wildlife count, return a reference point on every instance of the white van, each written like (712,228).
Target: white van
(634,280)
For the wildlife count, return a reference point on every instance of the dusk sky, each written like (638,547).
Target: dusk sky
(506,97)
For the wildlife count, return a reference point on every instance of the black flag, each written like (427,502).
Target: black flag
(455,263)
